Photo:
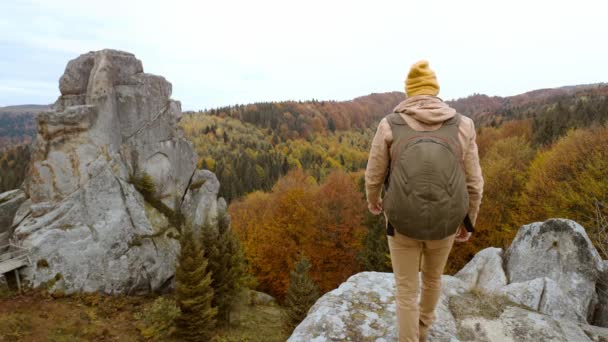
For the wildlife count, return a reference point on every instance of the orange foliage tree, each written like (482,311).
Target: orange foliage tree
(323,222)
(338,232)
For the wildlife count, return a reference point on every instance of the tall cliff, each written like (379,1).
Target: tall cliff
(86,226)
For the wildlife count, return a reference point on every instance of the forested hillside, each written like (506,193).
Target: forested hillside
(13,165)
(292,173)
(543,154)
(250,147)
(553,111)
(18,125)
(291,120)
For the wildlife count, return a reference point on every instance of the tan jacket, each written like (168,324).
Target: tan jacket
(424,113)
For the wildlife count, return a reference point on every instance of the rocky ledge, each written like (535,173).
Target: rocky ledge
(550,285)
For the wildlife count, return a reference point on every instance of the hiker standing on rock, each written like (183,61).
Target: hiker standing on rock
(425,156)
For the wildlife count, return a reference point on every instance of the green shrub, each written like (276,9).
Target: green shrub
(144,184)
(15,327)
(198,184)
(157,320)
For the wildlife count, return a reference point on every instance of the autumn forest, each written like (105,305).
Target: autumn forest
(292,173)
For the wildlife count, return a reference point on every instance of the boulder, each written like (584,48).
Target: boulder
(84,222)
(261,298)
(485,271)
(561,251)
(517,324)
(363,309)
(546,287)
(200,204)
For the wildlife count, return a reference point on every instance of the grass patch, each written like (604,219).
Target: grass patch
(258,323)
(15,327)
(42,263)
(157,319)
(49,284)
(37,316)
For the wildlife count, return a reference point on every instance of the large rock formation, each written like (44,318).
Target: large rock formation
(542,289)
(83,218)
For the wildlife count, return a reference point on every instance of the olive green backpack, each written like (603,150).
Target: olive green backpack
(426,195)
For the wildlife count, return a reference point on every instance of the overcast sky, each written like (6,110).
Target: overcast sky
(225,52)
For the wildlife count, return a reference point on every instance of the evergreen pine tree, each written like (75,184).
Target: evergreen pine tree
(301,293)
(375,255)
(332,125)
(226,262)
(194,292)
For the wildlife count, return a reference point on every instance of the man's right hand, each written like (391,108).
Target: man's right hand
(375,209)
(462,235)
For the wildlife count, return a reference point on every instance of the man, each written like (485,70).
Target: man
(425,155)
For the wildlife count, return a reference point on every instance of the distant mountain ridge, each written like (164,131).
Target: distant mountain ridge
(17,124)
(484,109)
(23,109)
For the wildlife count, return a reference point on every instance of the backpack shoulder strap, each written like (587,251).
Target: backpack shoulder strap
(399,127)
(454,120)
(395,119)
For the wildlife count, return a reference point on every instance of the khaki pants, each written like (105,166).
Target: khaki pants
(408,256)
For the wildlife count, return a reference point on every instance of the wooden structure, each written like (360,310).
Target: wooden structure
(12,258)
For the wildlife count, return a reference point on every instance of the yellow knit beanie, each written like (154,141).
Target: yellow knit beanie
(421,80)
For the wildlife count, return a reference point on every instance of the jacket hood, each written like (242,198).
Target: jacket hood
(427,109)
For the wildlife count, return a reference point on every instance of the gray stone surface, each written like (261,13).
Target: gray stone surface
(519,325)
(479,303)
(363,309)
(560,250)
(82,216)
(261,298)
(601,313)
(200,203)
(484,271)
(526,293)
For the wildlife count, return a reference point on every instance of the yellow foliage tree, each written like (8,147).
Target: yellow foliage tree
(566,180)
(504,168)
